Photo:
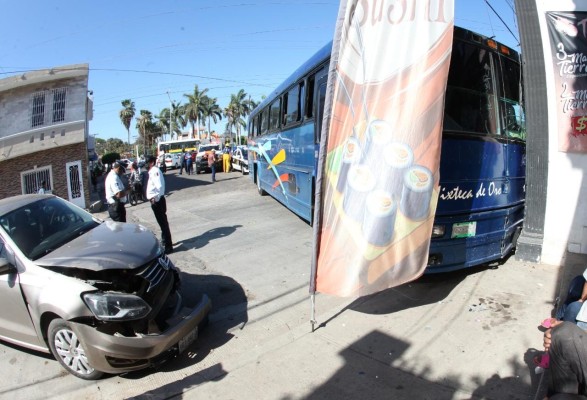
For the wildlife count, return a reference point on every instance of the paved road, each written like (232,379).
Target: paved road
(465,335)
(247,252)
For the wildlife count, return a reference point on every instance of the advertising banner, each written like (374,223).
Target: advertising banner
(568,40)
(380,150)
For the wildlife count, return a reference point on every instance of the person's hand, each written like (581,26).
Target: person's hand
(547,339)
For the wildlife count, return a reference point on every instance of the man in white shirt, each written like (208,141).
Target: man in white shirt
(156,195)
(116,193)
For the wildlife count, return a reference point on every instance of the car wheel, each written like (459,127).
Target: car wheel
(259,189)
(69,350)
(242,169)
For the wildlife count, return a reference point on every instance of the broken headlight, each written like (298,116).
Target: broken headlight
(116,306)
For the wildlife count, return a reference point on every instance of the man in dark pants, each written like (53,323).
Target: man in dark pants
(116,193)
(567,345)
(156,195)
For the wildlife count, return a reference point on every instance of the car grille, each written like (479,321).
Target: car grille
(156,272)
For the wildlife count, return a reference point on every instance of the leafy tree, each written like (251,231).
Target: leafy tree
(211,110)
(113,145)
(109,158)
(175,116)
(147,128)
(238,108)
(127,114)
(194,109)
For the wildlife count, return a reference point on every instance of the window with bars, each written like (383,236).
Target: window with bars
(38,109)
(59,96)
(32,180)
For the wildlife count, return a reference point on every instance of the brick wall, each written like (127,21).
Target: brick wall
(10,180)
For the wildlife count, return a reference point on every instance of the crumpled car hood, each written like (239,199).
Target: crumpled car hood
(111,245)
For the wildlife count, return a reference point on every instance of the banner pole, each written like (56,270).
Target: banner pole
(313,312)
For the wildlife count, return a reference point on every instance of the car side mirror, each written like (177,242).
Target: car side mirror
(5,266)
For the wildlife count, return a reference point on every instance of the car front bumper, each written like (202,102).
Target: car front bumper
(118,354)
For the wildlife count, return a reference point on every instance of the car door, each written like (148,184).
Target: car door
(237,159)
(15,321)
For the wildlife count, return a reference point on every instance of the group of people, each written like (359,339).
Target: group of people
(117,196)
(565,344)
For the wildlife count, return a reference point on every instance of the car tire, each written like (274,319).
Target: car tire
(259,189)
(69,350)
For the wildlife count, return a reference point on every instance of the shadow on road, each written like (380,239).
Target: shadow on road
(370,371)
(202,240)
(225,294)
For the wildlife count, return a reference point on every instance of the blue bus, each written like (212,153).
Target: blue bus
(480,208)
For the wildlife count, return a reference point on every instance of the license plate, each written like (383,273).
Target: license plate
(187,340)
(464,230)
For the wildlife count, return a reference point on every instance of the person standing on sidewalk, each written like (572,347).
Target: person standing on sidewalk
(116,193)
(212,164)
(156,195)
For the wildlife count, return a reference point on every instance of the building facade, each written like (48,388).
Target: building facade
(44,119)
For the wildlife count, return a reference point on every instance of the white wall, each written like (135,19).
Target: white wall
(566,201)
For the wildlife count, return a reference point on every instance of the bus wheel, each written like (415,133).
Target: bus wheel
(259,189)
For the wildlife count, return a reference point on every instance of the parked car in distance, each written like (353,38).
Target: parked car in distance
(102,297)
(239,159)
(172,160)
(204,151)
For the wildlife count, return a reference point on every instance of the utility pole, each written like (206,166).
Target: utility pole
(170,115)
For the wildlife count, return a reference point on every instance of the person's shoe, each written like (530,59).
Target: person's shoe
(168,250)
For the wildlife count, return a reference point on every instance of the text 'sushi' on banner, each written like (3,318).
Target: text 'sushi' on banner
(380,175)
(568,40)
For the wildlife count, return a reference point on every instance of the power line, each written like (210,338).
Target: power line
(502,21)
(142,72)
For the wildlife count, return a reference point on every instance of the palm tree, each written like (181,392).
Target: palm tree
(178,122)
(194,109)
(211,110)
(145,126)
(238,108)
(127,114)
(163,121)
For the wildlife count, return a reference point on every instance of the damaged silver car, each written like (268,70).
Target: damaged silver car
(102,297)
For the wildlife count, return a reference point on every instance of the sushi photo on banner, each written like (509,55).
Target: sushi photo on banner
(377,184)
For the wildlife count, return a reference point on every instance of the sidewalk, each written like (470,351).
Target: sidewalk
(467,335)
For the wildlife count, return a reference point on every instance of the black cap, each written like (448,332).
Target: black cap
(118,164)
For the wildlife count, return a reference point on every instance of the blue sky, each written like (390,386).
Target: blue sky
(222,45)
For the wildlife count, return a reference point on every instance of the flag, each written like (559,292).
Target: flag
(377,184)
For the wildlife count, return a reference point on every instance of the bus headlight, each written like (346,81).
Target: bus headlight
(437,231)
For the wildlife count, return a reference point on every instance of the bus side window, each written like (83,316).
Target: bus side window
(320,113)
(264,121)
(291,105)
(310,97)
(274,112)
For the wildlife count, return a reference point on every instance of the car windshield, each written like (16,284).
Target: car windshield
(43,226)
(244,153)
(210,148)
